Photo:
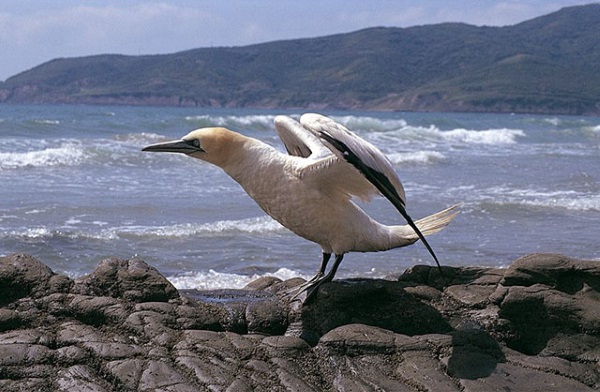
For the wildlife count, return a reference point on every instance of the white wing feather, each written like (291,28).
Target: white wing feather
(299,142)
(321,168)
(370,155)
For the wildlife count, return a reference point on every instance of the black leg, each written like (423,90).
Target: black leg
(318,276)
(321,272)
(314,286)
(336,264)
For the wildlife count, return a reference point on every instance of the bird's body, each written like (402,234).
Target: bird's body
(331,219)
(309,190)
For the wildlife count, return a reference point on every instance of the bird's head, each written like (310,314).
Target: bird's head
(215,145)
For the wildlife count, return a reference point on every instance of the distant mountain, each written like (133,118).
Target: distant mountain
(550,64)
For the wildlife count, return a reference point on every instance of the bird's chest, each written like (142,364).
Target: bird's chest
(286,198)
(283,196)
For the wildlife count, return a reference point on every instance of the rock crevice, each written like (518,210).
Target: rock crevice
(124,327)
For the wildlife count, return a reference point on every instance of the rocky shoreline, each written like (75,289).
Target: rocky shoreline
(534,326)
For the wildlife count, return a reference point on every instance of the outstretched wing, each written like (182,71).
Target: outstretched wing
(362,155)
(320,168)
(298,141)
(367,159)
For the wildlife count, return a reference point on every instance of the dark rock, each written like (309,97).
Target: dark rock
(244,311)
(359,339)
(9,319)
(380,303)
(268,317)
(427,293)
(507,376)
(425,373)
(475,296)
(281,346)
(22,275)
(474,354)
(126,372)
(576,347)
(132,280)
(538,313)
(199,315)
(263,283)
(430,276)
(125,328)
(557,271)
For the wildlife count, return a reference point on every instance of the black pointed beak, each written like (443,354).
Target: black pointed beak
(180,146)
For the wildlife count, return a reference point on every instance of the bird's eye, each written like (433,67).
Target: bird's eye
(196,143)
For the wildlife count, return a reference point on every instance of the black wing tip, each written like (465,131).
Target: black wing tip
(384,185)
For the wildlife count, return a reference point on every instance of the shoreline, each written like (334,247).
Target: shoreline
(125,327)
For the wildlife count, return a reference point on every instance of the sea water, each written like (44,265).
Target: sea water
(75,189)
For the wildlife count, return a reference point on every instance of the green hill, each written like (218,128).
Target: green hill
(550,64)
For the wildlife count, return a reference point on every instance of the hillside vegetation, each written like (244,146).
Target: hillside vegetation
(550,64)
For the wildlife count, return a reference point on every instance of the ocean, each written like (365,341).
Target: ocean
(75,189)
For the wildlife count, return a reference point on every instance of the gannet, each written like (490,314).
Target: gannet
(310,190)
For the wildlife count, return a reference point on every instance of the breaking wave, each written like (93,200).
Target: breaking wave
(255,122)
(370,123)
(67,154)
(375,129)
(219,280)
(416,158)
(259,225)
(118,150)
(434,135)
(567,199)
(491,136)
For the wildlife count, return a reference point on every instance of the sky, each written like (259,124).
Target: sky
(35,31)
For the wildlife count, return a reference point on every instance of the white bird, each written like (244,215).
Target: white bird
(309,191)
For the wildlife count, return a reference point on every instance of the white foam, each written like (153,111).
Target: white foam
(433,136)
(568,122)
(567,199)
(251,225)
(490,136)
(417,157)
(72,221)
(261,225)
(140,138)
(47,122)
(253,121)
(580,203)
(366,123)
(595,129)
(219,280)
(384,130)
(68,154)
(35,211)
(552,121)
(30,233)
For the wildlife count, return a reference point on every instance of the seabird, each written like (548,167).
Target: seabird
(310,190)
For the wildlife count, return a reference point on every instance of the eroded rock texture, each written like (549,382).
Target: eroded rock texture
(532,327)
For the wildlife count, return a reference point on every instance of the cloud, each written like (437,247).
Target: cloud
(92,28)
(144,28)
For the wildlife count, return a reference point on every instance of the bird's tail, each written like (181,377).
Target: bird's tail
(435,222)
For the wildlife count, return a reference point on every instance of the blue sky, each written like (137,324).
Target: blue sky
(35,31)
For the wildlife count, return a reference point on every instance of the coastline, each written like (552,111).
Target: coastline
(125,327)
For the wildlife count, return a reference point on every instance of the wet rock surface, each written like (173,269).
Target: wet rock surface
(534,326)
